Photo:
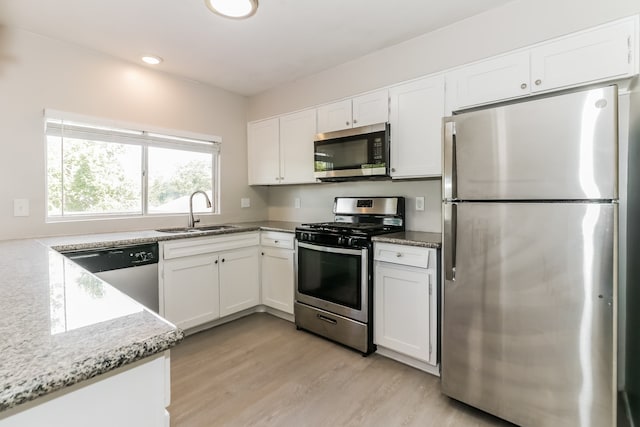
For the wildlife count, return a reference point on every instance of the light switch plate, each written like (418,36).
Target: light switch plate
(296,202)
(420,203)
(20,207)
(245,202)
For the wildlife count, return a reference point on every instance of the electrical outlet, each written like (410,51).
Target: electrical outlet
(245,202)
(420,203)
(296,202)
(20,207)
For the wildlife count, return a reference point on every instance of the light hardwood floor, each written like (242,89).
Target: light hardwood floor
(261,371)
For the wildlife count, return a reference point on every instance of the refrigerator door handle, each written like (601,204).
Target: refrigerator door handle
(449,190)
(449,244)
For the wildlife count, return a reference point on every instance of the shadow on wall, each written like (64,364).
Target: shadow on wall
(5,57)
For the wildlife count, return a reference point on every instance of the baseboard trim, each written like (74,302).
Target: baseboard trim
(408,360)
(235,316)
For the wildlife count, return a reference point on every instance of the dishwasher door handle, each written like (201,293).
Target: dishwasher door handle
(84,256)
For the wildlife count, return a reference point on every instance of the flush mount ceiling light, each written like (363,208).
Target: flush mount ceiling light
(151,59)
(235,9)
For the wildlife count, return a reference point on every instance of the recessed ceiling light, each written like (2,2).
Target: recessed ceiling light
(152,59)
(236,9)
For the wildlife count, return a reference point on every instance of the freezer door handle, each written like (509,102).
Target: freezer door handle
(449,244)
(449,190)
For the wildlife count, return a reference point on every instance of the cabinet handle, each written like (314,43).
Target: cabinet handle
(262,253)
(393,169)
(398,255)
(222,259)
(355,121)
(538,82)
(276,242)
(523,86)
(346,123)
(215,262)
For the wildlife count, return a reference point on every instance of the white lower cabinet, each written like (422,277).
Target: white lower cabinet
(204,278)
(239,280)
(406,305)
(278,279)
(191,290)
(134,395)
(277,262)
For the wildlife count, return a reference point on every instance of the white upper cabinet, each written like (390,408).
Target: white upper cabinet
(416,122)
(371,108)
(297,132)
(601,54)
(363,110)
(263,148)
(335,116)
(280,150)
(604,53)
(503,77)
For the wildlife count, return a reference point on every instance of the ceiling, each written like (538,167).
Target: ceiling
(285,40)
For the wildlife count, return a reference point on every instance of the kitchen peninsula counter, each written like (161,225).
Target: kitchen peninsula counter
(61,325)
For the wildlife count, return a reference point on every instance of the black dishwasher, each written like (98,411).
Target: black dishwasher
(131,269)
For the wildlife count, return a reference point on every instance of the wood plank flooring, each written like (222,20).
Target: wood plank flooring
(261,371)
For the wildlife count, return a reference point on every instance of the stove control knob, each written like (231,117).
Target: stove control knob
(341,240)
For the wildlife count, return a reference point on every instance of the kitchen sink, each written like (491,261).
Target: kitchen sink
(197,229)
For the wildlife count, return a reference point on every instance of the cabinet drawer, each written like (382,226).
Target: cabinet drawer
(276,239)
(405,255)
(196,246)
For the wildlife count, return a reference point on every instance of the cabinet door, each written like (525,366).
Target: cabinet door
(239,280)
(278,279)
(417,109)
(297,132)
(263,152)
(371,108)
(402,310)
(601,54)
(190,289)
(335,116)
(488,81)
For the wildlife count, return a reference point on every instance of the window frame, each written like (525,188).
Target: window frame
(146,137)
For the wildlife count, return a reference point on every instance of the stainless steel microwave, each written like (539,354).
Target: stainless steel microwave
(357,153)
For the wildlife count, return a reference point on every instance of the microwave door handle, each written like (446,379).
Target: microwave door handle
(449,178)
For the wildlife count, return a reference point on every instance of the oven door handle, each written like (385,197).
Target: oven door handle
(331,249)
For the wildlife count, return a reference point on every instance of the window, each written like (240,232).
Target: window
(95,170)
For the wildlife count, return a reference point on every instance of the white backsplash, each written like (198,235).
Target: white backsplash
(316,200)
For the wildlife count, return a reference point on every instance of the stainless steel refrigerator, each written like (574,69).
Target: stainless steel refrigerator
(530,259)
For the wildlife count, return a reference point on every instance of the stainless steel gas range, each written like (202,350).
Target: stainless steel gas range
(334,269)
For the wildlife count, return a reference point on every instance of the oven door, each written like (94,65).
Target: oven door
(333,279)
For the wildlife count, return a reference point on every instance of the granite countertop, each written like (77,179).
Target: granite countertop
(412,238)
(70,243)
(61,325)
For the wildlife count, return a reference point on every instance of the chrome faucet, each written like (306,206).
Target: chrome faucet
(192,220)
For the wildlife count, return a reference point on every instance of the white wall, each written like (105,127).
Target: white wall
(37,72)
(517,24)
